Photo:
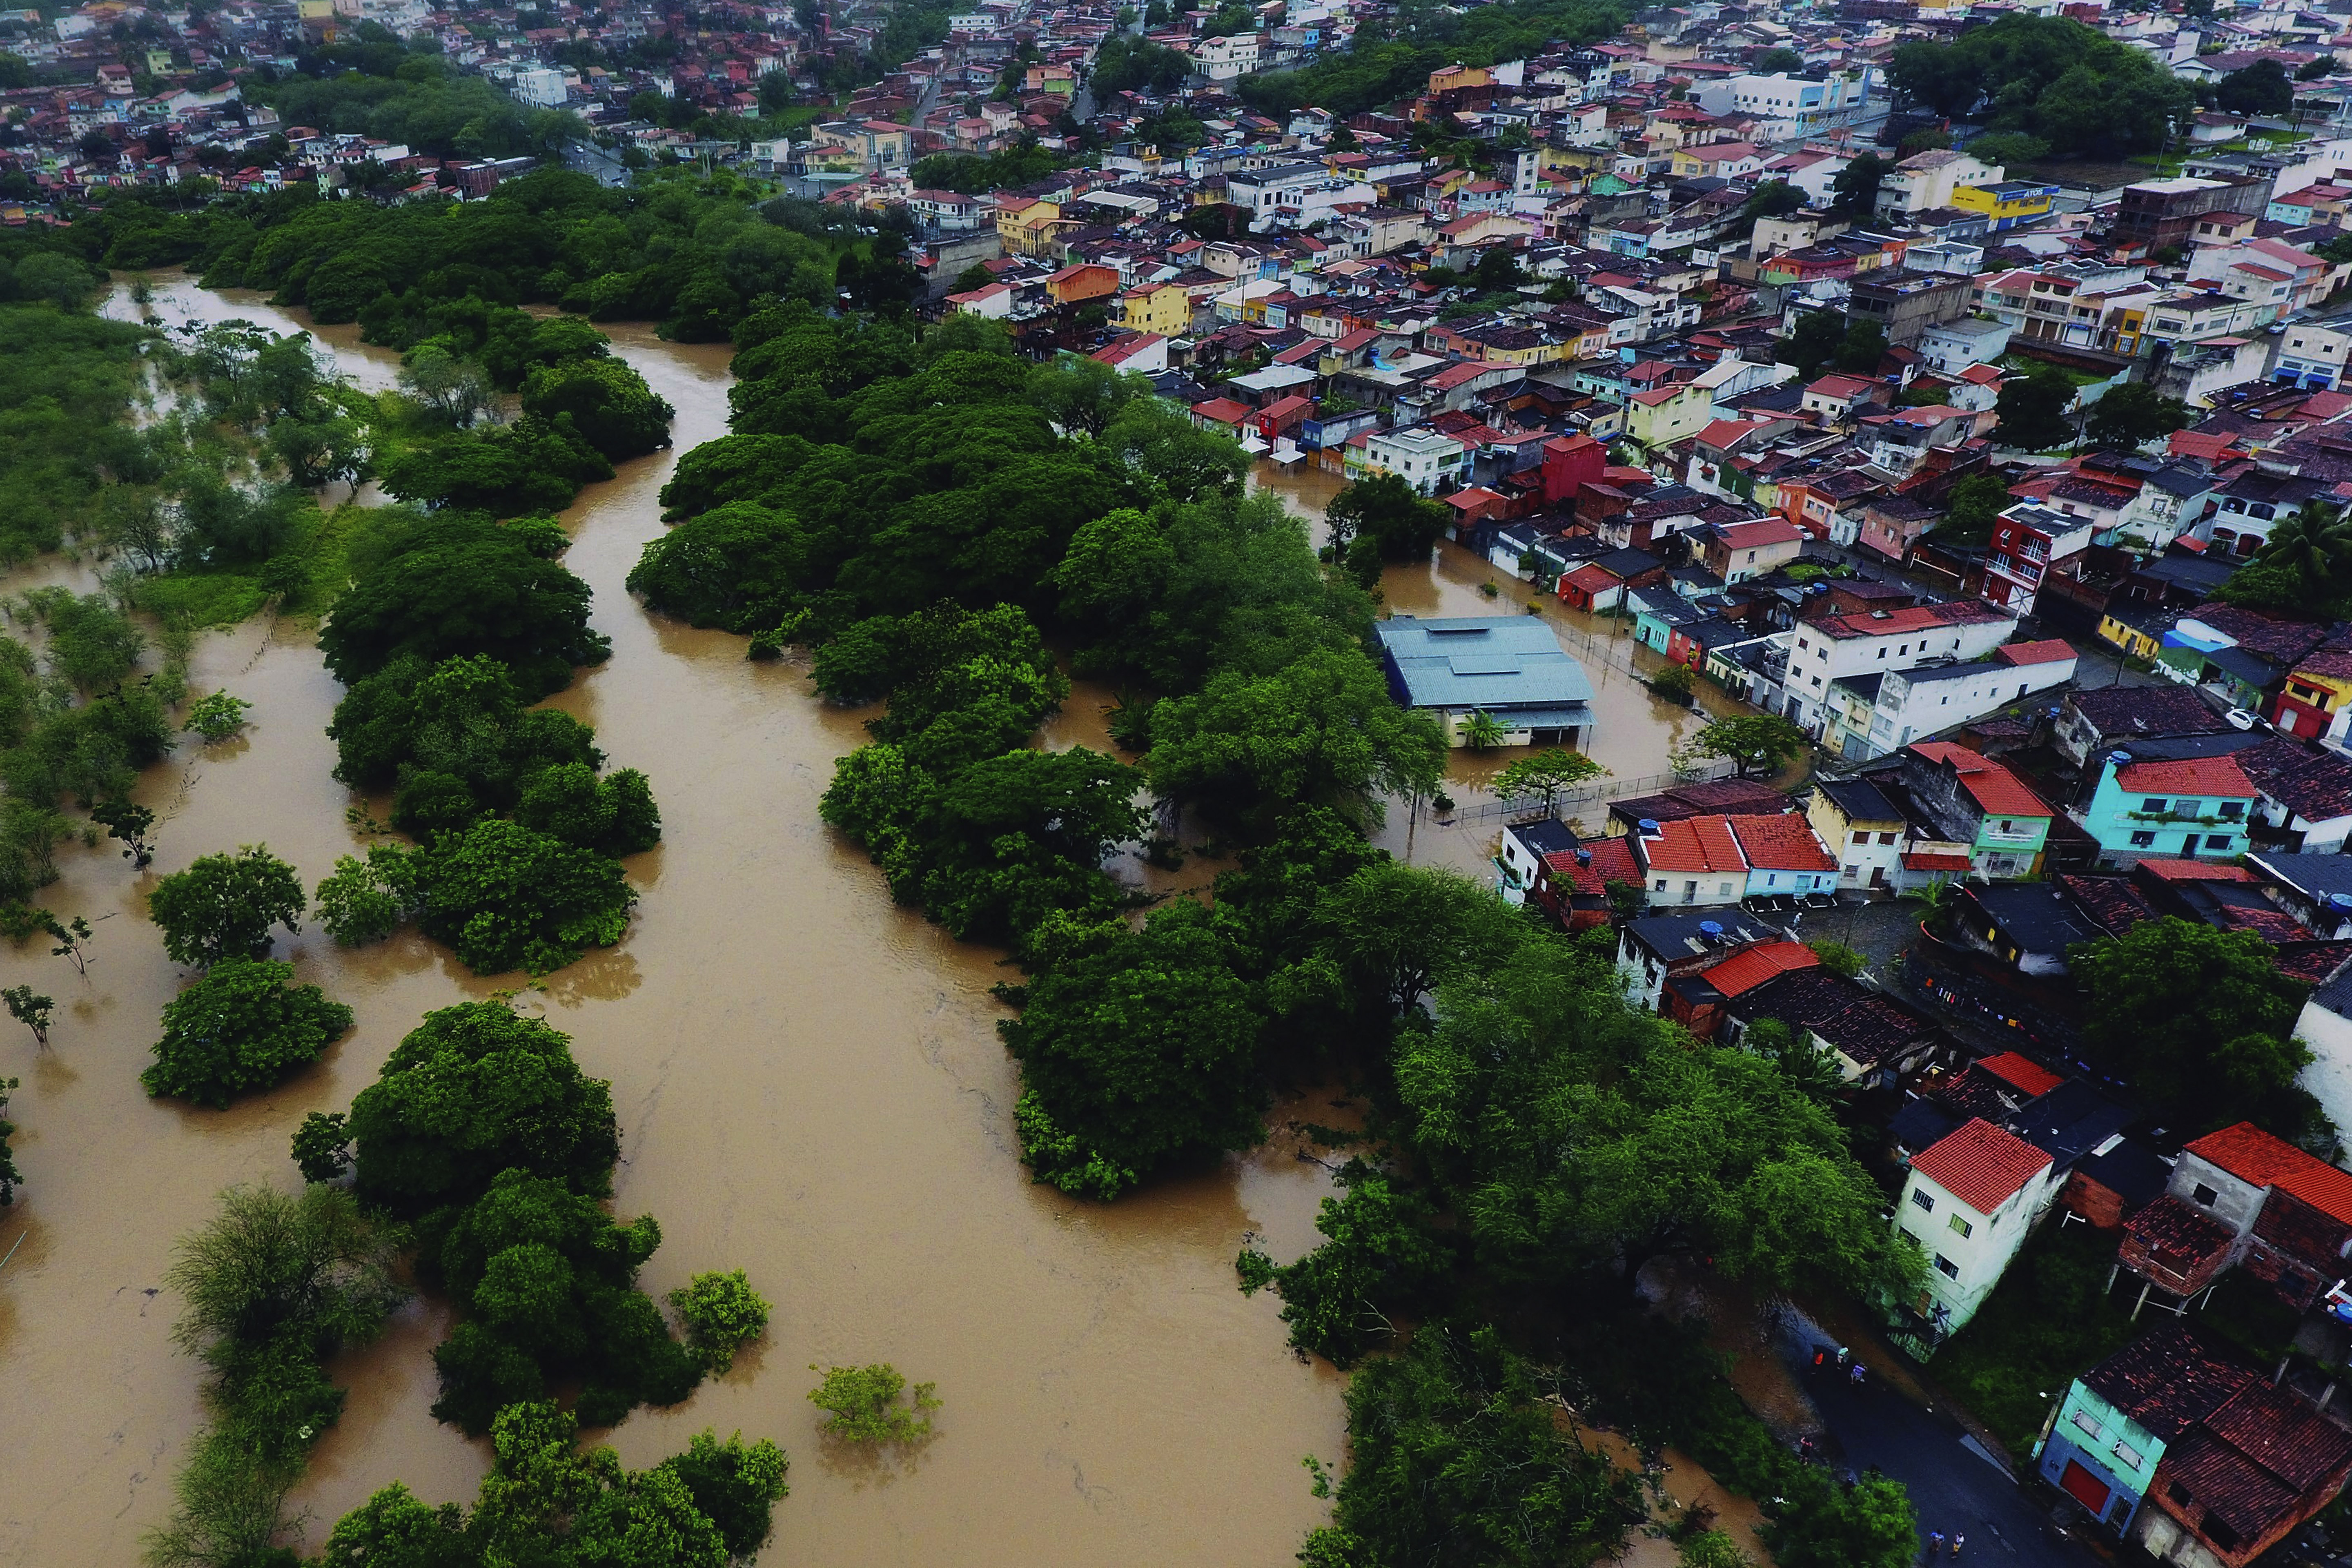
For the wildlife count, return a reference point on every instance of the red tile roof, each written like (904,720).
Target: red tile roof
(2257,1157)
(2020,1073)
(1750,967)
(1911,618)
(1612,860)
(1693,844)
(1783,843)
(1934,860)
(1592,577)
(2198,444)
(2049,650)
(1999,791)
(2194,871)
(1763,531)
(2217,777)
(1979,1164)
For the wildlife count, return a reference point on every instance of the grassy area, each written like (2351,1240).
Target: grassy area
(2049,1319)
(2245,1312)
(309,573)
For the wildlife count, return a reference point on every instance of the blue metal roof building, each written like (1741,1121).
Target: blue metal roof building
(1510,667)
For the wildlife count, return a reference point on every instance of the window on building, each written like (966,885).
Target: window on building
(2232,810)
(2128,1455)
(1886,837)
(2203,1195)
(1945,1266)
(1922,1198)
(2143,840)
(1961,1227)
(2152,804)
(2216,841)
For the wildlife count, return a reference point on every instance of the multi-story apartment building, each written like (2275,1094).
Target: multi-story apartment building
(2160,214)
(1925,180)
(2028,542)
(1823,651)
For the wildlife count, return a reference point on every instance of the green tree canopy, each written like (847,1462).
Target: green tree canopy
(606,402)
(2032,409)
(243,1026)
(473,1091)
(2262,88)
(2132,413)
(223,906)
(1857,184)
(455,585)
(549,1285)
(1321,730)
(1135,1050)
(1756,744)
(1971,506)
(1458,1459)
(2049,77)
(2198,1022)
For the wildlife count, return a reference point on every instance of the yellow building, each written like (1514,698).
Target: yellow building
(1163,308)
(2009,203)
(1454,78)
(1662,416)
(2314,695)
(2139,637)
(1027,226)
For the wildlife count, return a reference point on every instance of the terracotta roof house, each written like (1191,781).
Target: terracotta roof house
(1696,1000)
(2242,1196)
(2115,1421)
(1969,1201)
(2233,1486)
(1694,860)
(2193,808)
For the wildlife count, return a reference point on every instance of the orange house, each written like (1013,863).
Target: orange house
(1087,280)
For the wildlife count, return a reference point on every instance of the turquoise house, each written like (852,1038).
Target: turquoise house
(2181,808)
(2103,1442)
(1657,614)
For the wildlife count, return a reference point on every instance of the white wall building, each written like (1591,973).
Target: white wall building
(541,85)
(1879,640)
(1972,1199)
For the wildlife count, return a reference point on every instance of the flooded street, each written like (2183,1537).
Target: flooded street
(1633,731)
(809,1086)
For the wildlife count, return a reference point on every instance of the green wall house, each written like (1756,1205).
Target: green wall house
(2108,1434)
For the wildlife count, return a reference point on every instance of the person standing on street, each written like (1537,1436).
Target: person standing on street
(1935,1544)
(1957,1539)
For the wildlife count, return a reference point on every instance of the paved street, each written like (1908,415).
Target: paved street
(1953,1486)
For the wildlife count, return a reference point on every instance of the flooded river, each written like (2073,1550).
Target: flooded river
(809,1086)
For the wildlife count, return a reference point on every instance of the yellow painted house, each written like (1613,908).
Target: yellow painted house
(2139,637)
(1665,415)
(1163,308)
(1027,226)
(2008,203)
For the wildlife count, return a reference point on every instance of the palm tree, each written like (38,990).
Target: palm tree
(2314,540)
(1482,731)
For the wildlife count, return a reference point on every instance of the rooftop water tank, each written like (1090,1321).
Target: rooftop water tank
(1649,827)
(1711,930)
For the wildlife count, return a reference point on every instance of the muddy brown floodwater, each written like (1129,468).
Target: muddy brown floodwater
(1633,731)
(810,1087)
